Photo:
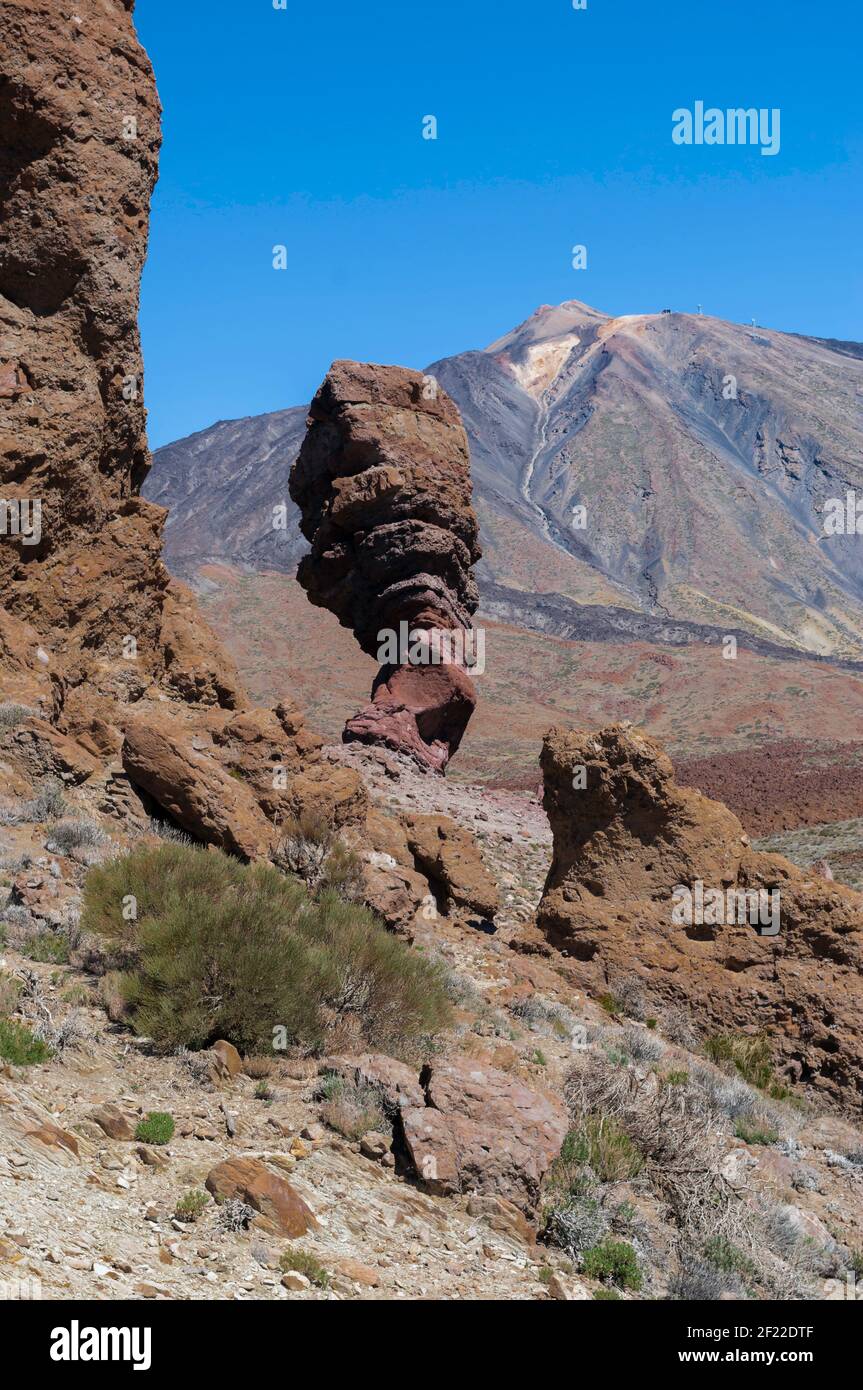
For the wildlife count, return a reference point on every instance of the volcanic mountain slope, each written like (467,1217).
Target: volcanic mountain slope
(701,452)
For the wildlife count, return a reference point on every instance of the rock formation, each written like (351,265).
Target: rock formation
(383,485)
(626,836)
(132,699)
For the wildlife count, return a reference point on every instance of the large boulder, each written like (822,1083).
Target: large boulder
(482,1131)
(251,1181)
(450,859)
(632,848)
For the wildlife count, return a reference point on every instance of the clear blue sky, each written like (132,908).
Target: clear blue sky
(304,127)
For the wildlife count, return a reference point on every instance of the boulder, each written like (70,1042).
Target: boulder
(160,756)
(482,1131)
(450,859)
(275,1199)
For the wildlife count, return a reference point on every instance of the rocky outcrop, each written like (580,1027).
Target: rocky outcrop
(80,551)
(655,880)
(383,485)
(127,684)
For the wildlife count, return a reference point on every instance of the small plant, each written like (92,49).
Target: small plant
(259,1066)
(751,1058)
(304,1263)
(12,714)
(614,1262)
(642,1045)
(47,947)
(234,1216)
(606,1294)
(724,1256)
(191,1205)
(611,1004)
(676,1078)
(67,835)
(545,1274)
(698,1281)
(48,804)
(157,1128)
(20,1047)
(311,848)
(754,1133)
(351,1109)
(578,1226)
(601,1144)
(539,1058)
(263,1090)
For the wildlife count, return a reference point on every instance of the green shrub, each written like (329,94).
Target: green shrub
(753,1133)
(157,1128)
(603,1294)
(304,1263)
(723,1255)
(600,1144)
(18,1045)
(613,1261)
(191,1205)
(751,1057)
(351,1109)
(611,1004)
(223,950)
(48,947)
(263,1090)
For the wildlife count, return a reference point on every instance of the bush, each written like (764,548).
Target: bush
(614,1262)
(48,947)
(67,835)
(602,1294)
(191,1205)
(754,1133)
(304,1263)
(48,803)
(601,1144)
(157,1128)
(12,714)
(351,1109)
(751,1058)
(223,950)
(19,1046)
(576,1227)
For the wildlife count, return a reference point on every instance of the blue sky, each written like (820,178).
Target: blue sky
(303,127)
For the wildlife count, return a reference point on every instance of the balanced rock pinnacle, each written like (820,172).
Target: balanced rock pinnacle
(383,485)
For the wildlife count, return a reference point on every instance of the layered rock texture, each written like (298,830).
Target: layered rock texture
(383,486)
(626,836)
(132,699)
